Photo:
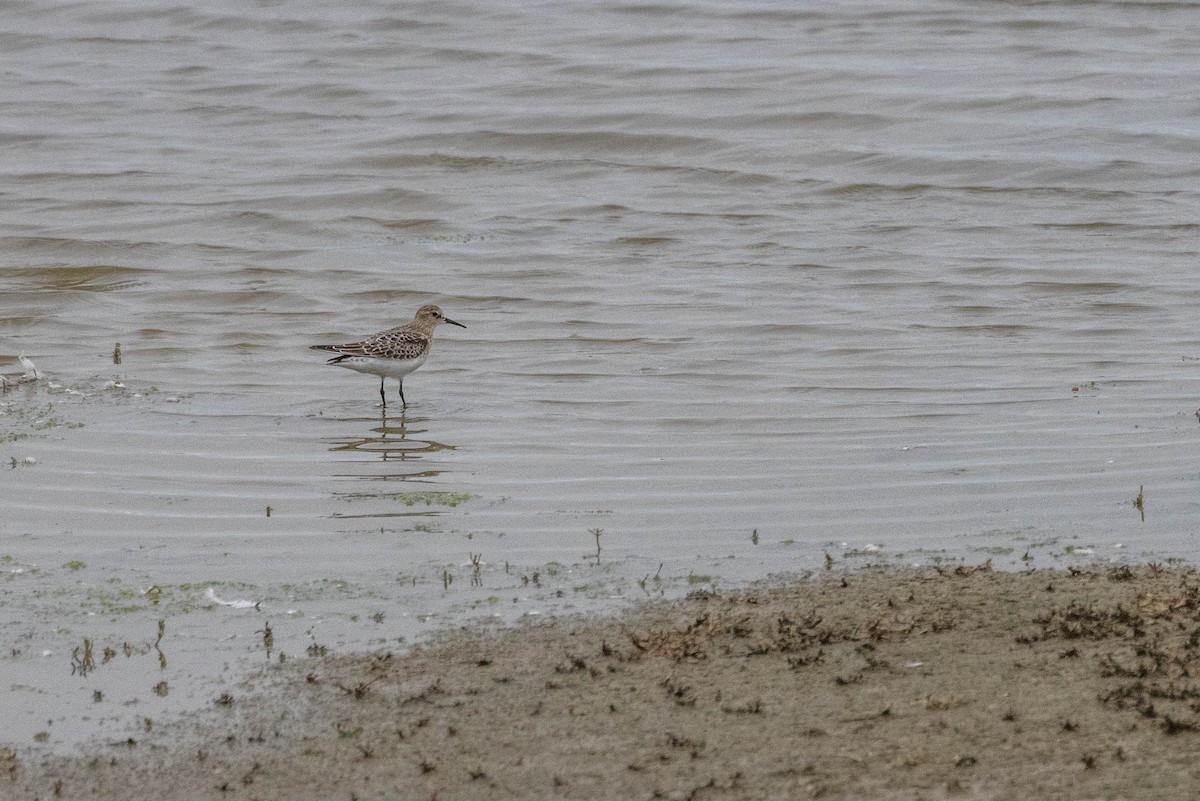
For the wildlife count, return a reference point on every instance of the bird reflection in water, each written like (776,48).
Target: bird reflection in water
(394,439)
(394,469)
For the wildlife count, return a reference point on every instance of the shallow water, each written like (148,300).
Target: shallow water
(745,284)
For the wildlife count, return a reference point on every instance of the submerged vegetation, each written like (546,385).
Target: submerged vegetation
(20,421)
(431,498)
(427,497)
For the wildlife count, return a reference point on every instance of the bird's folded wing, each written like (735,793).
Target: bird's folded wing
(388,345)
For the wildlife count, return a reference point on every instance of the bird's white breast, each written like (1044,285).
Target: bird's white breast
(388,368)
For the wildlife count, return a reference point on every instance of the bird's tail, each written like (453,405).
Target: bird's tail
(330,349)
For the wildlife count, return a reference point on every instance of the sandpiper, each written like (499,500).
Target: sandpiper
(395,352)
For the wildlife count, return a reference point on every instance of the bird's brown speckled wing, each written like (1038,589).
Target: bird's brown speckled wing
(398,343)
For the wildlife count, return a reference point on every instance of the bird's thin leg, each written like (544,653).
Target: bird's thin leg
(400,381)
(383,397)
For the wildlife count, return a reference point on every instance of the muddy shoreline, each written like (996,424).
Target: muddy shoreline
(896,684)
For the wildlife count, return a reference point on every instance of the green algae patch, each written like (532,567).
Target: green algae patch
(426,497)
(20,421)
(429,498)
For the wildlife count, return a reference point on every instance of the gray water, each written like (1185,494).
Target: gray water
(745,284)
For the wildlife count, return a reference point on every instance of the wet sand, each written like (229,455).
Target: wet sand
(914,684)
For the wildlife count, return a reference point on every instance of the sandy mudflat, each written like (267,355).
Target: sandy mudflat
(882,685)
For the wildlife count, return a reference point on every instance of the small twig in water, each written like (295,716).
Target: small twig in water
(596,532)
(162,658)
(476,567)
(268,638)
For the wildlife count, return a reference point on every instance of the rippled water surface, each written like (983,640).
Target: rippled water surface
(745,284)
